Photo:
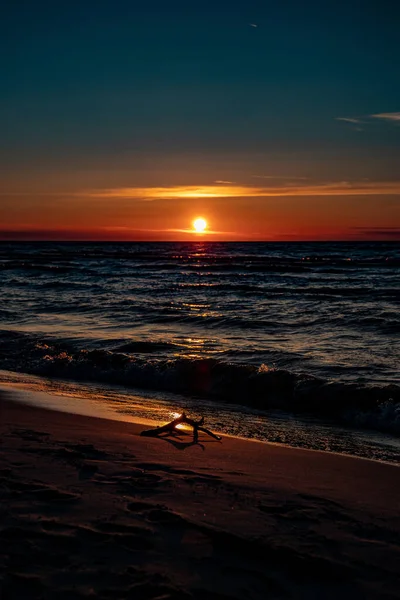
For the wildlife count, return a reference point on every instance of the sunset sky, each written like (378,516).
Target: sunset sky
(126,120)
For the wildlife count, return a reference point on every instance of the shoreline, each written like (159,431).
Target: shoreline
(140,423)
(271,427)
(369,404)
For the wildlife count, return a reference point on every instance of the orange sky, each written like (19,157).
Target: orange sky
(268,209)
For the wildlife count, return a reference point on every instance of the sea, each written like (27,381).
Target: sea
(290,343)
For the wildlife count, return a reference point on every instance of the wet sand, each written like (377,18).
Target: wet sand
(91,510)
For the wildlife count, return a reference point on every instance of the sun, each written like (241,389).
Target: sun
(199,225)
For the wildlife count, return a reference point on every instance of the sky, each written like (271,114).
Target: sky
(126,120)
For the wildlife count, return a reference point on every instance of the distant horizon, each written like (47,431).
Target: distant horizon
(198,241)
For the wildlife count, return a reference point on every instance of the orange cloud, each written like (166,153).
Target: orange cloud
(393,116)
(342,188)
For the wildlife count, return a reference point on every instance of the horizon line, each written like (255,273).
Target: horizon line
(391,239)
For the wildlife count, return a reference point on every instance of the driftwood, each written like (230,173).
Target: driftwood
(170,428)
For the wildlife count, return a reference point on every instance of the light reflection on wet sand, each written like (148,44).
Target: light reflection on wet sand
(151,408)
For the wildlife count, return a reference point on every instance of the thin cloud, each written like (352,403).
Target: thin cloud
(279,177)
(393,116)
(106,233)
(46,234)
(170,230)
(294,186)
(222,181)
(348,120)
(391,232)
(34,194)
(342,188)
(199,234)
(253,25)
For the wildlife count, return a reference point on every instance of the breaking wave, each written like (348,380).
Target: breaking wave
(370,406)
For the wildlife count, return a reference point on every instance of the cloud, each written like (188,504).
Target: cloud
(45,234)
(393,116)
(205,232)
(223,181)
(253,25)
(278,187)
(348,120)
(278,177)
(390,232)
(106,233)
(341,188)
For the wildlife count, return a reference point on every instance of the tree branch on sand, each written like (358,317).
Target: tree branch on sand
(170,428)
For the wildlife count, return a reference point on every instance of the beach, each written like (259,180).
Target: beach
(89,509)
(200,301)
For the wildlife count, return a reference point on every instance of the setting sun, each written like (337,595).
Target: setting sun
(199,225)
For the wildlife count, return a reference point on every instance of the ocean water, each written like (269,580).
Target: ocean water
(303,328)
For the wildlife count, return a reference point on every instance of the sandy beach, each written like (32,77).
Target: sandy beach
(91,510)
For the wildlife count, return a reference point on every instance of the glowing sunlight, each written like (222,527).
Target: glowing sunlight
(199,225)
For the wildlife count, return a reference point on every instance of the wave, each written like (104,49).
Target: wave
(261,387)
(290,289)
(34,266)
(132,347)
(297,257)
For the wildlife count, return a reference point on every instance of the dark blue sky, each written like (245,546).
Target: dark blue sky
(115,87)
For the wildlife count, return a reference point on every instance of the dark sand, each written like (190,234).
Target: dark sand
(91,510)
